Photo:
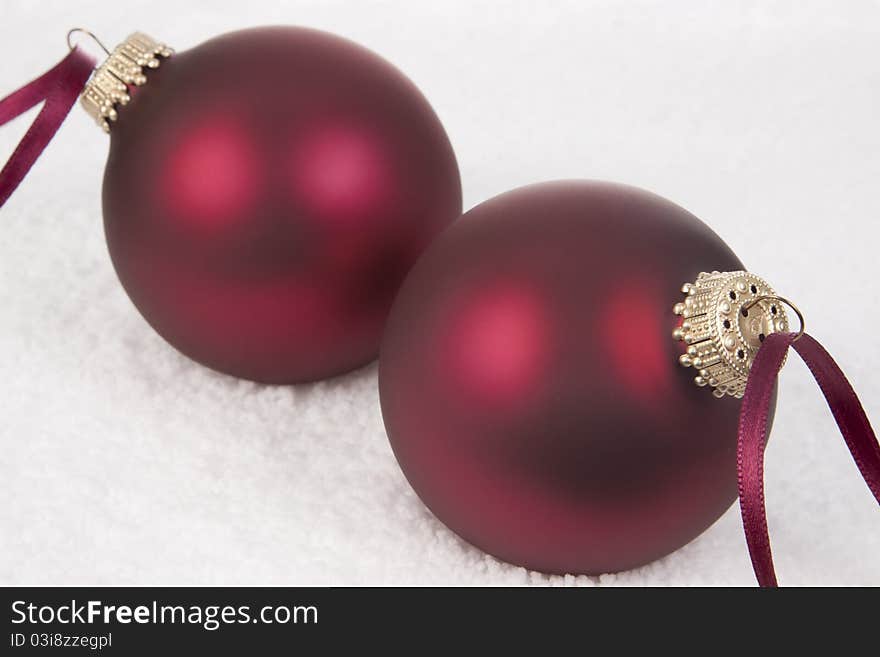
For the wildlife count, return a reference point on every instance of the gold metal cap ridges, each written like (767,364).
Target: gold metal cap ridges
(127,65)
(725,318)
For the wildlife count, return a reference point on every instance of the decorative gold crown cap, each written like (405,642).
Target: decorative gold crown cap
(726,316)
(126,65)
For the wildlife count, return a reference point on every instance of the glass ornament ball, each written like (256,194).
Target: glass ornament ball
(264,196)
(531,388)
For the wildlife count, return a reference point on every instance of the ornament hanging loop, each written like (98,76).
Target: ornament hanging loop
(774,297)
(88,33)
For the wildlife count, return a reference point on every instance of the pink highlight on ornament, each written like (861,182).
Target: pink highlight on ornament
(213,175)
(637,338)
(498,344)
(341,172)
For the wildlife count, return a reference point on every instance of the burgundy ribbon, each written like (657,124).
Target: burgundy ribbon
(847,411)
(59,87)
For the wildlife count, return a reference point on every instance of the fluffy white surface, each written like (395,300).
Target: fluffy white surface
(122,462)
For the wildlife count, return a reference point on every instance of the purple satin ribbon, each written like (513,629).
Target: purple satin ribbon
(59,87)
(845,407)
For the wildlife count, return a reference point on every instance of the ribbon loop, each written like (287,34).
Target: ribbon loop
(59,87)
(847,412)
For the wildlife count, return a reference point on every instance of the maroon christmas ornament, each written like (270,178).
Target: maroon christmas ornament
(532,393)
(265,194)
(532,386)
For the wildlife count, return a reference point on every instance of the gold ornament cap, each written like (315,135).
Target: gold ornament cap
(127,65)
(725,318)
